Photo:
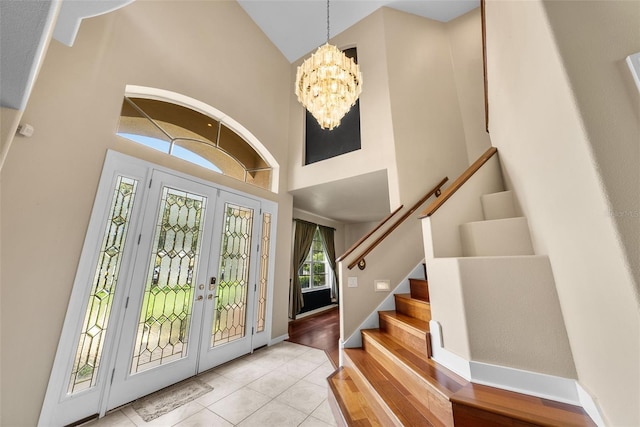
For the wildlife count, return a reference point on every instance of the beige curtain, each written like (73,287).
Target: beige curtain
(330,248)
(303,237)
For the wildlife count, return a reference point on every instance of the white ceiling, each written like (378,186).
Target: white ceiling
(363,198)
(296,27)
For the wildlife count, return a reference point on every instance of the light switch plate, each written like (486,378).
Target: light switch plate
(353,282)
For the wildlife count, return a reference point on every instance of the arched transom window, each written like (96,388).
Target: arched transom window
(194,136)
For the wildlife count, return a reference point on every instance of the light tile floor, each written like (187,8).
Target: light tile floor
(282,385)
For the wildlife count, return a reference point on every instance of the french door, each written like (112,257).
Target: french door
(192,292)
(190,304)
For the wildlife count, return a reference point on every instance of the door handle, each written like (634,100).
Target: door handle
(200,297)
(212,284)
(210,296)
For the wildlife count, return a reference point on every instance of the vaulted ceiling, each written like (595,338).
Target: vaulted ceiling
(26,26)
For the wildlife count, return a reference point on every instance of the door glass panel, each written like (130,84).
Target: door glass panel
(229,322)
(88,353)
(263,279)
(163,329)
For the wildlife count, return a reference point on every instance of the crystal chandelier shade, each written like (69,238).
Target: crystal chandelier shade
(328,83)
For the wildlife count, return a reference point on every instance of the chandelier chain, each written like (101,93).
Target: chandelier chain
(328,34)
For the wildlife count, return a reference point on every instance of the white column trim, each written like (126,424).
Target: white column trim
(589,405)
(446,358)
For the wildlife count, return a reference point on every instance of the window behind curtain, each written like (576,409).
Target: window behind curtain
(315,272)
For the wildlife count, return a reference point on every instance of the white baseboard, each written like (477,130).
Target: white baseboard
(527,382)
(532,383)
(446,358)
(589,405)
(317,310)
(279,339)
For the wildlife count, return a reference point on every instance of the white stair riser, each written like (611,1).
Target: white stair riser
(500,237)
(498,205)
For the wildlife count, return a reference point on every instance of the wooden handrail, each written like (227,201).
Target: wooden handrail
(366,236)
(435,190)
(483,20)
(458,182)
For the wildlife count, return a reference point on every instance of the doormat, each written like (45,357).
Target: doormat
(166,400)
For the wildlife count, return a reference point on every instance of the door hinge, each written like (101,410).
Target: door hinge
(112,374)
(139,237)
(126,304)
(258,248)
(252,330)
(255,287)
(150,181)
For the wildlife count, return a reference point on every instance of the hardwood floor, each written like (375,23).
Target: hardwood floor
(321,330)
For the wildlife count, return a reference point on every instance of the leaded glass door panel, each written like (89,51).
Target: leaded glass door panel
(162,325)
(229,306)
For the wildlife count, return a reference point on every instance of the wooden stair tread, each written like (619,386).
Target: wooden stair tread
(417,324)
(405,406)
(519,406)
(352,403)
(414,300)
(442,379)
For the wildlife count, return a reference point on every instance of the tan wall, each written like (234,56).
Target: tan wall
(392,260)
(428,133)
(422,106)
(354,231)
(608,100)
(376,151)
(551,136)
(466,55)
(427,123)
(210,51)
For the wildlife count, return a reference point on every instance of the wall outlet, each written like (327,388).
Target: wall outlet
(353,282)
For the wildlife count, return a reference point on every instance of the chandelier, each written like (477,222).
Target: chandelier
(328,83)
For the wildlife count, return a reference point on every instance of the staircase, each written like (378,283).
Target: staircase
(483,270)
(391,381)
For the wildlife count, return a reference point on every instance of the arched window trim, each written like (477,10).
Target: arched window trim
(135,91)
